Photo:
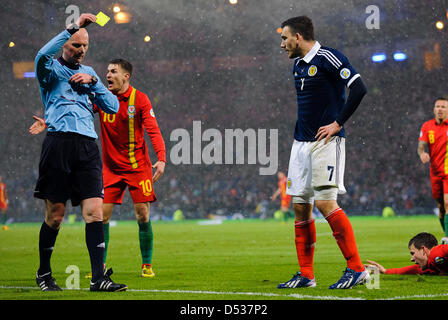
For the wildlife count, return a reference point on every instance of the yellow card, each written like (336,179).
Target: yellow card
(102,19)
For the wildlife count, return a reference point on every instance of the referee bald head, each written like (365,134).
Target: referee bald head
(75,49)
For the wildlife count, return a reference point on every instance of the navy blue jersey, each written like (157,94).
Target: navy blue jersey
(320,79)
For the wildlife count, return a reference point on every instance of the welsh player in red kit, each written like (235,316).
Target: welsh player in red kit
(126,161)
(429,257)
(284,197)
(3,203)
(433,135)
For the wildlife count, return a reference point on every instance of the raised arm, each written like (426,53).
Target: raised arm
(44,58)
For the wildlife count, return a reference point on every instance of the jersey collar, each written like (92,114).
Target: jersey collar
(68,64)
(311,54)
(438,124)
(125,96)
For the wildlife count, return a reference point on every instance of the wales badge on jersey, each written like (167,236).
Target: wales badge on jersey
(131,111)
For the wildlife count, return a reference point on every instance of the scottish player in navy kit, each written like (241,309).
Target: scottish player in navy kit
(317,161)
(70,164)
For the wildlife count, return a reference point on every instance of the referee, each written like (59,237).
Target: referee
(70,165)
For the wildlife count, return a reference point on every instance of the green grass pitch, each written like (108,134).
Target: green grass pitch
(235,260)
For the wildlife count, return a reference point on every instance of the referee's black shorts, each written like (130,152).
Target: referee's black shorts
(70,167)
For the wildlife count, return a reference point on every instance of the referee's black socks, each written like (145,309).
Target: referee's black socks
(96,246)
(47,239)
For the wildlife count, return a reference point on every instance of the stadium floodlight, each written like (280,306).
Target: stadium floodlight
(11,44)
(122,17)
(117,8)
(440,25)
(233,1)
(400,56)
(379,57)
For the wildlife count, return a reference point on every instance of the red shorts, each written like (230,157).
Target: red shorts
(139,184)
(439,186)
(3,205)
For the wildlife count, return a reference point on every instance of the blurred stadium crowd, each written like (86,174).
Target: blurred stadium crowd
(228,80)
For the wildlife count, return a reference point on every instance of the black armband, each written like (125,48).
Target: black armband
(357,91)
(73,28)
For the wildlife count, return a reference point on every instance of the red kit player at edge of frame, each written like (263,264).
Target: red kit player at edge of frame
(433,136)
(3,203)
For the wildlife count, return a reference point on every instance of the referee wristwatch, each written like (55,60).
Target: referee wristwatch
(93,81)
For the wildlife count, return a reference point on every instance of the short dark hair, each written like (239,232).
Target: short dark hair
(440,98)
(126,65)
(423,239)
(302,25)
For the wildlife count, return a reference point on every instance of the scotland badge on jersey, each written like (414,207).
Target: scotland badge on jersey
(345,73)
(312,71)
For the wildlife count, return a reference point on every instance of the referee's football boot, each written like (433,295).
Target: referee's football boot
(297,281)
(106,284)
(47,283)
(351,278)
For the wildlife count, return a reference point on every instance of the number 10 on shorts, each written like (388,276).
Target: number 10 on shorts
(146,187)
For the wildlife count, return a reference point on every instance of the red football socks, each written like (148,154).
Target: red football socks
(305,232)
(345,238)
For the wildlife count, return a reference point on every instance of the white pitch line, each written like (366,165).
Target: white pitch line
(418,296)
(262,294)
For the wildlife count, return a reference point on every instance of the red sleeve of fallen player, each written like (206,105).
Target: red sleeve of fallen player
(153,130)
(414,269)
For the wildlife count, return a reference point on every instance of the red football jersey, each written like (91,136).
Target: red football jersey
(122,134)
(435,135)
(438,259)
(437,263)
(3,199)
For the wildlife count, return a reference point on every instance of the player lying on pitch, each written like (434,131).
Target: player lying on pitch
(430,258)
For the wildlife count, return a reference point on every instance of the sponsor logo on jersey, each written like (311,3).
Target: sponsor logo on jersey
(312,71)
(345,73)
(439,260)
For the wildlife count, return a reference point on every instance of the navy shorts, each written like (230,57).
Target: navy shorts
(70,167)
